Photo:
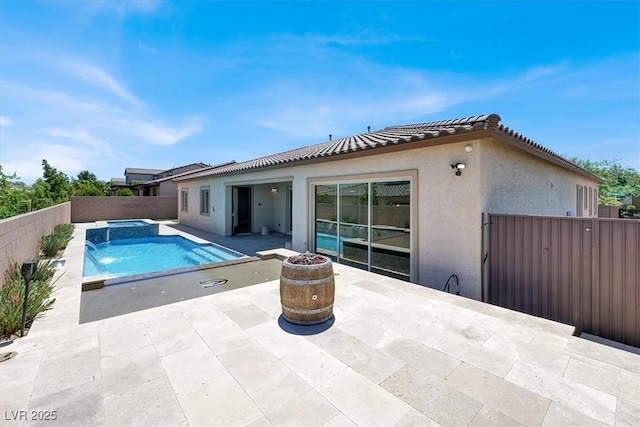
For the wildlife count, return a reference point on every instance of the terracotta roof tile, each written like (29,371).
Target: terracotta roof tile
(389,136)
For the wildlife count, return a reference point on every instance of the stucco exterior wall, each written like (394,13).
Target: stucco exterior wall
(515,182)
(167,189)
(446,225)
(447,209)
(270,208)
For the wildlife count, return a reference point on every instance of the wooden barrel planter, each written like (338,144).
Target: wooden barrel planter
(307,289)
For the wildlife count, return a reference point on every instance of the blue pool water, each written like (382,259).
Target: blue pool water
(128,257)
(327,243)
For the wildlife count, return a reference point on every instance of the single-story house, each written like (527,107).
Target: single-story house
(405,201)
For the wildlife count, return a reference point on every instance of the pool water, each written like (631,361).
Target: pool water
(129,257)
(328,243)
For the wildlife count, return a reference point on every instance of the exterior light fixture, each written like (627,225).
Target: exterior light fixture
(468,148)
(458,167)
(28,270)
(274,189)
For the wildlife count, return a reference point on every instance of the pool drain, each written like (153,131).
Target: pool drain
(8,355)
(210,283)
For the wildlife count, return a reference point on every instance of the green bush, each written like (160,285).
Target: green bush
(12,296)
(125,192)
(51,244)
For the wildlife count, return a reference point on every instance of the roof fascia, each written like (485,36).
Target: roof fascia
(391,148)
(521,145)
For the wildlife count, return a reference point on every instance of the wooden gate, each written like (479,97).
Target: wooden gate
(580,271)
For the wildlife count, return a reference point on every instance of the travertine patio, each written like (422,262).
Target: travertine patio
(397,354)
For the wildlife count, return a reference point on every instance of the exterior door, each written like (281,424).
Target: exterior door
(241,210)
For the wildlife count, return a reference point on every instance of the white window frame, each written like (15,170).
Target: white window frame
(184,200)
(205,200)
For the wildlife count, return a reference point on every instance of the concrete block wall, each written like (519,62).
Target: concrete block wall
(89,209)
(20,235)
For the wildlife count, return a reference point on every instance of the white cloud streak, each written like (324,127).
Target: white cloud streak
(5,121)
(99,77)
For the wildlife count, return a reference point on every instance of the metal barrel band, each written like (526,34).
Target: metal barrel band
(307,266)
(304,282)
(307,311)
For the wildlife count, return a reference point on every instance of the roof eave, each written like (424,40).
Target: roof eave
(383,149)
(521,145)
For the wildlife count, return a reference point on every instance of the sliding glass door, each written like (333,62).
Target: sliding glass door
(365,225)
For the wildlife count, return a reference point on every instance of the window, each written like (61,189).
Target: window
(204,200)
(184,200)
(579,200)
(365,225)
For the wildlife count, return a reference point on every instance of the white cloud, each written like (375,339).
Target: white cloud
(27,160)
(5,121)
(121,7)
(95,75)
(76,135)
(158,133)
(145,47)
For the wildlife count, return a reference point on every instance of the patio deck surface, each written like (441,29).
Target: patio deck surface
(397,354)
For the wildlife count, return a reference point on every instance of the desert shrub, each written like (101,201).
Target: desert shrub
(64,229)
(12,296)
(51,244)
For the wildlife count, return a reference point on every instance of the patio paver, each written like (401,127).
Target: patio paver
(395,354)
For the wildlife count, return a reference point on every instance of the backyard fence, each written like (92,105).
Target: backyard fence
(580,271)
(20,235)
(88,209)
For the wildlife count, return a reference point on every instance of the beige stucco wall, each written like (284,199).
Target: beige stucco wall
(447,209)
(167,189)
(515,182)
(446,224)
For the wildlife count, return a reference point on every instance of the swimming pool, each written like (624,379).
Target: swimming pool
(129,257)
(127,223)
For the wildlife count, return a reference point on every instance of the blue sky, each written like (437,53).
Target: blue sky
(104,85)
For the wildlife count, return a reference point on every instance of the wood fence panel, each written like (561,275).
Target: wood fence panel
(580,271)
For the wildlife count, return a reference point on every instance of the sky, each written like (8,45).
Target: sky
(104,85)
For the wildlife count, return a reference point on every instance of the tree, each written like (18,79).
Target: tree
(58,183)
(87,184)
(14,196)
(125,192)
(619,180)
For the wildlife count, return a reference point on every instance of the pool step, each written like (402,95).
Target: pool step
(205,254)
(199,258)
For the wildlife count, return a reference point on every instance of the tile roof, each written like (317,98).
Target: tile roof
(184,174)
(393,136)
(143,171)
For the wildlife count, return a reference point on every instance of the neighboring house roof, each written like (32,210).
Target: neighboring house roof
(199,164)
(400,137)
(142,171)
(184,174)
(118,181)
